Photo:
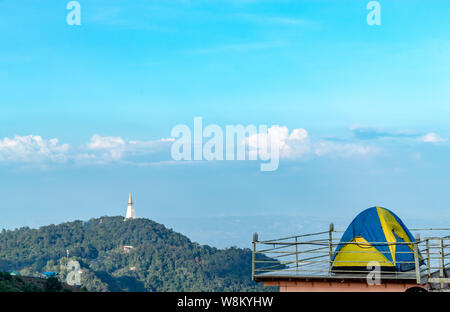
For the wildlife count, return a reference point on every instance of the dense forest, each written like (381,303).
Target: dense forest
(9,283)
(160,260)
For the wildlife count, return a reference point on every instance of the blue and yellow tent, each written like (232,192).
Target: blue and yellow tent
(372,236)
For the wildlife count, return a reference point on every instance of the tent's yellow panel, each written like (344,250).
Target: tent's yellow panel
(359,255)
(391,226)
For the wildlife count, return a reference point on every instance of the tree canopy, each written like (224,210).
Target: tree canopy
(160,260)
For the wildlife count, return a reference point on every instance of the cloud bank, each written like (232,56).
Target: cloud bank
(99,149)
(295,144)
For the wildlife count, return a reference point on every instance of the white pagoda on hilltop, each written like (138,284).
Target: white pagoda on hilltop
(131,214)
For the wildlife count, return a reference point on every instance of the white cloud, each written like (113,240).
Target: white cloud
(32,148)
(292,145)
(99,149)
(431,138)
(297,144)
(99,142)
(108,148)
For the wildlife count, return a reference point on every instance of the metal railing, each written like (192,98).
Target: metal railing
(311,255)
(436,251)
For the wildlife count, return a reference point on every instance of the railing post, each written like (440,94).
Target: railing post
(330,245)
(296,252)
(255,239)
(427,241)
(441,261)
(416,258)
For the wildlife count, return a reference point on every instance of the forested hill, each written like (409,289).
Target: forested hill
(10,283)
(160,260)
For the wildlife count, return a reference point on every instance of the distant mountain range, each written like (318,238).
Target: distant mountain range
(132,255)
(225,231)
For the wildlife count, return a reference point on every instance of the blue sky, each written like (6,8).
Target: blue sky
(373,100)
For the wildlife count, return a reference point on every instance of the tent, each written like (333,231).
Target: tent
(371,237)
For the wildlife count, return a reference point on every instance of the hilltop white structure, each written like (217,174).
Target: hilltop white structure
(131,214)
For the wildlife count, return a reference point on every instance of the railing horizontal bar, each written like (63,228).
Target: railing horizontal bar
(431,229)
(313,250)
(439,280)
(377,243)
(291,243)
(365,261)
(296,236)
(261,270)
(278,262)
(271,249)
(339,273)
(316,262)
(274,248)
(326,244)
(436,267)
(301,264)
(269,261)
(358,273)
(273,266)
(321,251)
(373,252)
(288,254)
(316,257)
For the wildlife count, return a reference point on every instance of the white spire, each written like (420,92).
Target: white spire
(131,214)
